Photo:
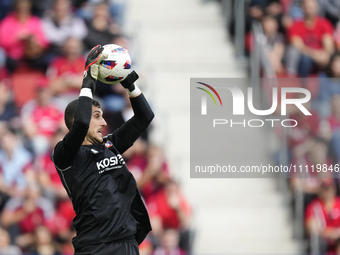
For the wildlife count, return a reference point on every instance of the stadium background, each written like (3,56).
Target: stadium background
(43,45)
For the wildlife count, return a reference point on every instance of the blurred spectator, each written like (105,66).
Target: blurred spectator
(27,213)
(145,248)
(327,8)
(43,242)
(66,72)
(307,177)
(5,7)
(21,36)
(53,189)
(169,209)
(323,215)
(67,246)
(8,110)
(334,126)
(47,174)
(259,8)
(329,86)
(15,161)
(41,118)
(61,25)
(149,168)
(117,9)
(300,137)
(331,9)
(311,41)
(40,8)
(101,30)
(274,47)
(169,243)
(337,247)
(5,244)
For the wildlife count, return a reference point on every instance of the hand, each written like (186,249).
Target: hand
(174,201)
(92,67)
(128,82)
(23,35)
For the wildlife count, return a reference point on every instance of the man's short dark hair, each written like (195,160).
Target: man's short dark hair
(70,110)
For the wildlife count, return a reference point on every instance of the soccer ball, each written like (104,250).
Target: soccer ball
(116,66)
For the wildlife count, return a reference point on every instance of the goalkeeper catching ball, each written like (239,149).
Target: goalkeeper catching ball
(111,217)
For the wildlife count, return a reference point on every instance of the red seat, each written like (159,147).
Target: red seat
(23,85)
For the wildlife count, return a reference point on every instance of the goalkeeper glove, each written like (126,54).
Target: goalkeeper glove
(92,67)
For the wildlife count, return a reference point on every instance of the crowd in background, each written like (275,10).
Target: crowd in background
(302,44)
(43,46)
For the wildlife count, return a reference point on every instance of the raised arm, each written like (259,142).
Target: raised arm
(128,133)
(80,110)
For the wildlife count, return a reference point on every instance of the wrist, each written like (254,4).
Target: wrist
(89,82)
(134,93)
(86,92)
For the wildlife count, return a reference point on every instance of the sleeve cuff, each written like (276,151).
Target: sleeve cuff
(133,93)
(86,92)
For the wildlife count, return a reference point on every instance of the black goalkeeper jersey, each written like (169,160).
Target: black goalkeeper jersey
(104,193)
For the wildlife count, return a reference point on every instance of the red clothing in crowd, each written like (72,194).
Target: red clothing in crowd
(334,122)
(316,209)
(10,30)
(63,217)
(158,206)
(137,165)
(41,214)
(47,119)
(329,220)
(34,219)
(62,66)
(312,36)
(48,167)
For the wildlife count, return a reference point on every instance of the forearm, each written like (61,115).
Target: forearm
(124,137)
(83,112)
(145,178)
(66,150)
(184,218)
(9,218)
(142,110)
(331,233)
(328,44)
(298,43)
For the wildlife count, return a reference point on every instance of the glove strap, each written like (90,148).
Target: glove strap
(128,82)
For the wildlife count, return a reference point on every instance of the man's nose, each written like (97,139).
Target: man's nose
(104,123)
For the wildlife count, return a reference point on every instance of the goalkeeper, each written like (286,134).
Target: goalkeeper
(111,217)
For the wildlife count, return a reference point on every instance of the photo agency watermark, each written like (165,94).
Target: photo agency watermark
(241,100)
(233,123)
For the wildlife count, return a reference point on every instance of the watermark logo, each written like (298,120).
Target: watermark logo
(204,98)
(239,100)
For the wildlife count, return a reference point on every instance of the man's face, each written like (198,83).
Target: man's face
(310,7)
(97,124)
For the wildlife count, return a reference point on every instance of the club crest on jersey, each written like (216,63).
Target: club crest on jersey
(108,144)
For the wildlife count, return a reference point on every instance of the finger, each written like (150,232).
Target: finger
(102,57)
